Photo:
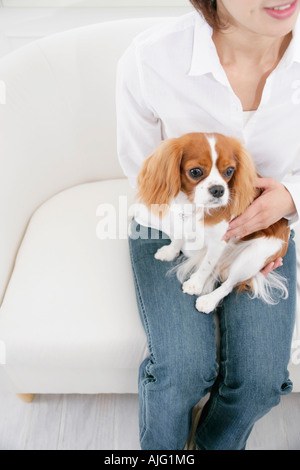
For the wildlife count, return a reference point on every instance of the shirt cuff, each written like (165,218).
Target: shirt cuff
(294,190)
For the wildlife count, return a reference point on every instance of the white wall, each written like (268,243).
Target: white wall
(23,21)
(91,3)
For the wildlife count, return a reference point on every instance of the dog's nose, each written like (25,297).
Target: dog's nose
(217,190)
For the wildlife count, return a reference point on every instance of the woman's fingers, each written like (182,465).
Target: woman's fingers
(271,266)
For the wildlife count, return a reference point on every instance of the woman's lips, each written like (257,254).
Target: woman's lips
(282,12)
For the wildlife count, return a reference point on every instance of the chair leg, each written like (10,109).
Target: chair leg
(26,397)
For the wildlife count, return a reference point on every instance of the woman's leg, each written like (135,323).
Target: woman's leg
(182,363)
(255,351)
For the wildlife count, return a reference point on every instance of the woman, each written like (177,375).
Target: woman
(230,67)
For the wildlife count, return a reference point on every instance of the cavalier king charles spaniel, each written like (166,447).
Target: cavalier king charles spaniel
(194,186)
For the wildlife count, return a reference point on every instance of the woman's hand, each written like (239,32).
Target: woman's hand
(274,203)
(275,264)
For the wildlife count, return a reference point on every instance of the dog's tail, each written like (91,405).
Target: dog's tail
(270,288)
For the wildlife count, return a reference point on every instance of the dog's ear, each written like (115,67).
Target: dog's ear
(159,180)
(242,184)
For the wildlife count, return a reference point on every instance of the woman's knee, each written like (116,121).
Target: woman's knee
(188,376)
(256,392)
(194,377)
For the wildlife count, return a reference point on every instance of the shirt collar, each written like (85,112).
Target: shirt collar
(203,54)
(205,58)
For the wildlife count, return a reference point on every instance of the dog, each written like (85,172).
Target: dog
(214,177)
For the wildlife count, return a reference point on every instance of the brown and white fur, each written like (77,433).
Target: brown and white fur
(216,176)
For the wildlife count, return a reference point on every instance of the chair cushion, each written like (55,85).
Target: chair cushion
(69,321)
(70,307)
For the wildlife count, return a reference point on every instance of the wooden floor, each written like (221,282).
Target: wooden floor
(110,422)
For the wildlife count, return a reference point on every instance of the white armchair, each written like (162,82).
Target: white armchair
(68,319)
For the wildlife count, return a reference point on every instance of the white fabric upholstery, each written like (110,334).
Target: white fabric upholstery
(58,126)
(70,305)
(69,321)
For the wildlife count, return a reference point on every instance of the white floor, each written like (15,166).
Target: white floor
(110,422)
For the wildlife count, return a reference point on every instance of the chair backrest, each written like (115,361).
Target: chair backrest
(58,123)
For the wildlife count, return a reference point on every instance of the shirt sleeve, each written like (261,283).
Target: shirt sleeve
(292,184)
(138,128)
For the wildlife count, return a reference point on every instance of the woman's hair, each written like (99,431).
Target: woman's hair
(208,8)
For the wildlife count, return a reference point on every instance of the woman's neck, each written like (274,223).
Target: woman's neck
(237,46)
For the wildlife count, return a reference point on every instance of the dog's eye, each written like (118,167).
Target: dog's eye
(196,173)
(229,172)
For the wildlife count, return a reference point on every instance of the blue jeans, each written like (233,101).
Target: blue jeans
(182,366)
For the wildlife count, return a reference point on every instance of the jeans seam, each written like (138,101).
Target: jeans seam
(224,338)
(205,422)
(145,382)
(216,397)
(142,305)
(144,427)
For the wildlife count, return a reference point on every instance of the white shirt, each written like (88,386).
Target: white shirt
(170,82)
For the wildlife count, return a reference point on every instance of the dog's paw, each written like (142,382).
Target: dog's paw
(166,253)
(206,303)
(192,286)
